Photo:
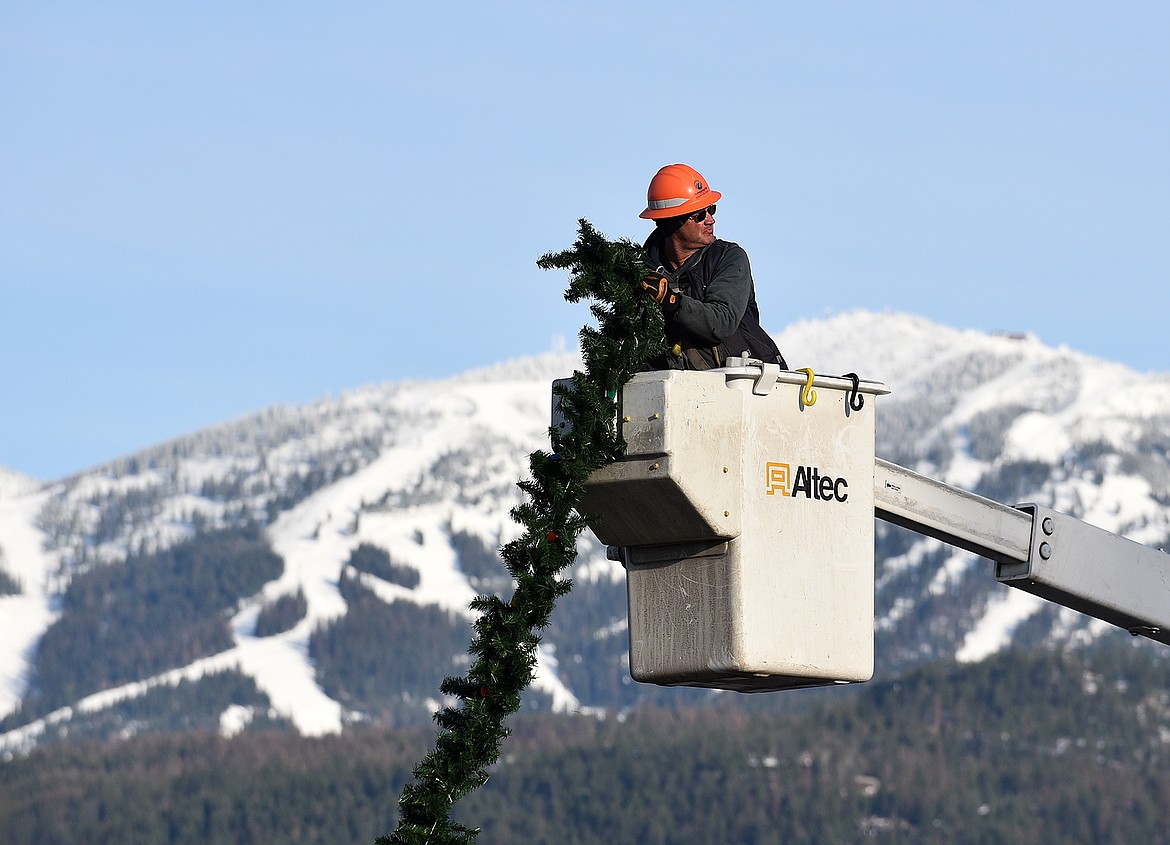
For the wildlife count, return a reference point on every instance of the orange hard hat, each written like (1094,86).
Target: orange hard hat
(675,190)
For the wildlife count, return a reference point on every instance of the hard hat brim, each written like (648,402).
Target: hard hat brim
(692,204)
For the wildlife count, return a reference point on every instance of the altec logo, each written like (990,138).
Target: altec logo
(807,481)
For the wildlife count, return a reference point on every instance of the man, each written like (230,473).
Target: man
(704,285)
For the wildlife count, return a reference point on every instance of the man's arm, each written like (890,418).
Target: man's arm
(718,315)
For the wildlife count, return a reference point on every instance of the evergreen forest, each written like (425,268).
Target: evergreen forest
(1023,748)
(149,613)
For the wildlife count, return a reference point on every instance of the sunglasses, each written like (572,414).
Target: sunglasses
(701,215)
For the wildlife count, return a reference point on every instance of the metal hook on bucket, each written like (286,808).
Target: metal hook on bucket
(856,400)
(809,396)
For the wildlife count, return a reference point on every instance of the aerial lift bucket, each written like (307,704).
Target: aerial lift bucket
(743,512)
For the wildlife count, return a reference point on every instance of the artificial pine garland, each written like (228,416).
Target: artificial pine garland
(629,331)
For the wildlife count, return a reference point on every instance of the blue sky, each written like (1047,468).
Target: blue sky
(210,208)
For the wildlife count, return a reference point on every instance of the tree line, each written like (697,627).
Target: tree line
(1030,748)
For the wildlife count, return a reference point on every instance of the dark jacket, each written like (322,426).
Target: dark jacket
(717,315)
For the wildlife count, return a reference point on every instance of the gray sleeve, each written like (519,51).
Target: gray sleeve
(720,311)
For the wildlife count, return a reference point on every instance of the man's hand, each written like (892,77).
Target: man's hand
(657,288)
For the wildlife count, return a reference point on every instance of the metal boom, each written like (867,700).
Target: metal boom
(1036,549)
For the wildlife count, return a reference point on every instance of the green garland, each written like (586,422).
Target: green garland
(504,643)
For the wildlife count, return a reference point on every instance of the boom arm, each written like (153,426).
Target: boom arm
(1036,549)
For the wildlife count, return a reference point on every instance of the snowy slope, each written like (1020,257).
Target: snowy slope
(439,446)
(24,559)
(409,466)
(14,484)
(316,537)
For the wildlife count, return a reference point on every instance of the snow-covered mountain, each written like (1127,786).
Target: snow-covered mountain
(424,473)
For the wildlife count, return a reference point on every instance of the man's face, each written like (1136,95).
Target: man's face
(695,234)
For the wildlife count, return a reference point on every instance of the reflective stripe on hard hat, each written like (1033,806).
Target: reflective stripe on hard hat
(670,203)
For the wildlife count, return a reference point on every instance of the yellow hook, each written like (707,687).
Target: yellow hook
(809,396)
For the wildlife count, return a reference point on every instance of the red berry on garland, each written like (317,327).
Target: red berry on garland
(483,692)
(553,536)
